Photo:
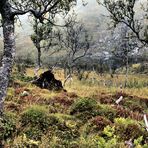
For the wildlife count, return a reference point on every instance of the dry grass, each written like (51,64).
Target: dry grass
(95,84)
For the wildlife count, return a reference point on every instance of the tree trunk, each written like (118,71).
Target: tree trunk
(38,62)
(126,75)
(39,57)
(9,51)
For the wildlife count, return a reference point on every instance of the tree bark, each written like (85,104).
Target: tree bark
(126,75)
(9,50)
(39,57)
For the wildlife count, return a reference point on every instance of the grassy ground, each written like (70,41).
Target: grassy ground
(84,116)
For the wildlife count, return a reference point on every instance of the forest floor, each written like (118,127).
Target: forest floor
(86,116)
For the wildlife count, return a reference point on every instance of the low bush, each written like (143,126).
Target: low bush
(128,129)
(63,130)
(35,116)
(7,125)
(96,125)
(64,127)
(24,78)
(24,142)
(83,104)
(12,106)
(107,111)
(84,108)
(35,121)
(100,122)
(133,105)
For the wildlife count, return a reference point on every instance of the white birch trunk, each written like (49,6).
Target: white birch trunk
(9,51)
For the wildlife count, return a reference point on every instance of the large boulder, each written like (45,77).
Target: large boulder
(47,81)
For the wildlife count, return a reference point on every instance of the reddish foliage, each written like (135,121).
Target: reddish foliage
(106,100)
(136,108)
(100,122)
(118,94)
(31,99)
(125,113)
(19,90)
(11,106)
(64,100)
(132,131)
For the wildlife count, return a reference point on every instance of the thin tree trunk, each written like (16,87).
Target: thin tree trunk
(39,57)
(37,44)
(9,51)
(126,75)
(38,62)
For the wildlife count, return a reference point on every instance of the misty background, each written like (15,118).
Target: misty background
(94,17)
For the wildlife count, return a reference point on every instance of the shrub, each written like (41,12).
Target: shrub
(138,143)
(89,141)
(109,139)
(35,116)
(54,120)
(64,127)
(107,111)
(63,131)
(128,129)
(100,122)
(62,100)
(35,122)
(83,104)
(24,78)
(96,125)
(109,131)
(24,142)
(106,100)
(133,105)
(7,125)
(12,106)
(33,133)
(84,108)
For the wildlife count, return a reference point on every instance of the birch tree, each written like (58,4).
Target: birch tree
(76,41)
(9,10)
(124,11)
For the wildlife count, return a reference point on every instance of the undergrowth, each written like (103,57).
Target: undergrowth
(84,117)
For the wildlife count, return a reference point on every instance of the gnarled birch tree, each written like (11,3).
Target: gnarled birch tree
(9,9)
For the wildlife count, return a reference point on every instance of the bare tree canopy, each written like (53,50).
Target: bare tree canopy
(40,8)
(123,11)
(76,41)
